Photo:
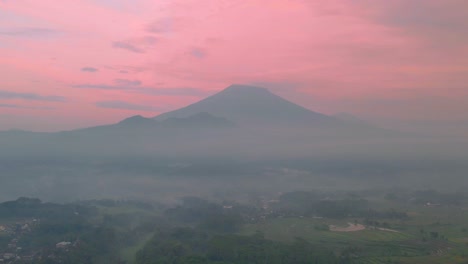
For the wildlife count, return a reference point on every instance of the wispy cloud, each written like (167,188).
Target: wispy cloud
(126,106)
(8,105)
(177,91)
(146,40)
(160,26)
(30,96)
(29,32)
(278,86)
(89,69)
(127,46)
(198,53)
(25,107)
(134,86)
(127,69)
(136,45)
(125,82)
(434,20)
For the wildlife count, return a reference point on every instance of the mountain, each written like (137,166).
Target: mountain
(351,119)
(241,119)
(137,121)
(148,126)
(248,105)
(202,119)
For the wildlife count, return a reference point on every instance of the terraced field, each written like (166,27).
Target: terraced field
(405,245)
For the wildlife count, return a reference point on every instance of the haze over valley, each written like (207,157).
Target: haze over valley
(232,141)
(233,132)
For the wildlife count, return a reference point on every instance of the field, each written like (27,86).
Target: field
(431,234)
(334,227)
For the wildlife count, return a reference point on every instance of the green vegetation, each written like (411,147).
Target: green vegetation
(296,227)
(192,246)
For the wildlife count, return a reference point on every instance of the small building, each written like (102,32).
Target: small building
(63,244)
(28,258)
(8,256)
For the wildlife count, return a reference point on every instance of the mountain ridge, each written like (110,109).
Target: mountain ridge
(252,105)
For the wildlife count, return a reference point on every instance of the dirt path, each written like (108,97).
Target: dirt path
(388,230)
(350,228)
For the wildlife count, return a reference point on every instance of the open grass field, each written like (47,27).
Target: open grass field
(128,254)
(129,214)
(429,235)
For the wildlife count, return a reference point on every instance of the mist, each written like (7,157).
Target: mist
(217,152)
(233,132)
(241,169)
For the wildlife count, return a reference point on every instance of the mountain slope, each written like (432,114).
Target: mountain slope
(252,105)
(202,119)
(351,119)
(241,120)
(139,124)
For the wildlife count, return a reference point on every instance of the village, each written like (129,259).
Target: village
(13,253)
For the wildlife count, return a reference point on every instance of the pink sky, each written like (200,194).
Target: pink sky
(71,64)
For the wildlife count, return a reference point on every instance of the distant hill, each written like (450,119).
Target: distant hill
(241,120)
(137,120)
(139,124)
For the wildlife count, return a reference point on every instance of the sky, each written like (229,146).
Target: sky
(72,64)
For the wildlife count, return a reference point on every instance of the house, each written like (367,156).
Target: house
(27,258)
(63,244)
(8,256)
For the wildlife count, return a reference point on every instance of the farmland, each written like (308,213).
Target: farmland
(429,233)
(298,227)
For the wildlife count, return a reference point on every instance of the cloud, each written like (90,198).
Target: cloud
(25,107)
(132,69)
(119,85)
(146,40)
(9,105)
(125,105)
(163,25)
(30,96)
(89,69)
(100,87)
(367,48)
(29,32)
(134,86)
(136,45)
(198,53)
(127,46)
(447,15)
(278,86)
(127,69)
(178,91)
(125,82)
(443,21)
(120,5)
